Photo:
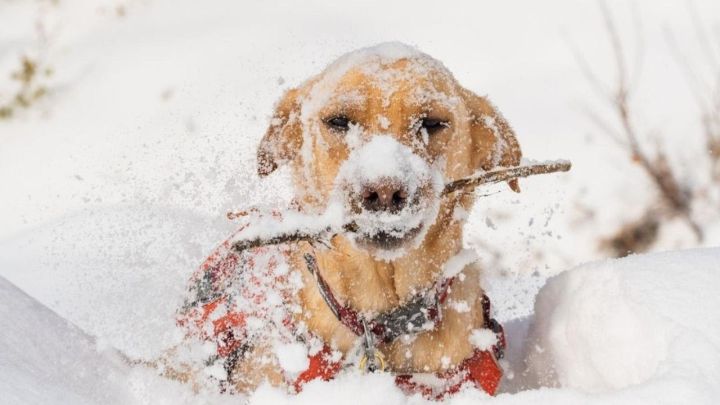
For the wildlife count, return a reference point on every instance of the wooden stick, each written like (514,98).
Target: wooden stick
(499,175)
(471,182)
(298,236)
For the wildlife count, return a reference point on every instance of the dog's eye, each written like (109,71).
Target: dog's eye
(338,122)
(433,125)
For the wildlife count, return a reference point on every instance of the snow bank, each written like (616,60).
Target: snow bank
(646,325)
(44,359)
(96,268)
(644,329)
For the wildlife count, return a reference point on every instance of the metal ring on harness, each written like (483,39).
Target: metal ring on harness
(372,359)
(378,359)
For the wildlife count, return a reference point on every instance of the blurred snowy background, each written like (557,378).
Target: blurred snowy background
(128,129)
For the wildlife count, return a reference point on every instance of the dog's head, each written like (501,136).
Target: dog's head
(381,130)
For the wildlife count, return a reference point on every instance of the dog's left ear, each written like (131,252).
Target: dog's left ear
(493,140)
(283,137)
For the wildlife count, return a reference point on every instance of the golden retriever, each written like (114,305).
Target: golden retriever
(380,131)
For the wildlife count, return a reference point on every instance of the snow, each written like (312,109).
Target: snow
(381,54)
(457,263)
(45,359)
(88,266)
(483,339)
(266,223)
(627,331)
(370,61)
(638,321)
(384,157)
(115,185)
(293,357)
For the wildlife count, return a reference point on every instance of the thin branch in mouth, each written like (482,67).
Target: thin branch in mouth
(496,176)
(465,184)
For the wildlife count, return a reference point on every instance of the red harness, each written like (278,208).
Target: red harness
(481,369)
(213,313)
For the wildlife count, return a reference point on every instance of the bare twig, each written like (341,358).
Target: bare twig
(465,185)
(614,37)
(497,176)
(656,167)
(297,236)
(633,237)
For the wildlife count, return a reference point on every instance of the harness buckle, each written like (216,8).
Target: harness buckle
(372,359)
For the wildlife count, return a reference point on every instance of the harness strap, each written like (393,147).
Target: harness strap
(481,369)
(321,366)
(415,316)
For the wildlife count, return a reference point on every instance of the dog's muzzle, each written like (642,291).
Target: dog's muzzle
(383,208)
(389,192)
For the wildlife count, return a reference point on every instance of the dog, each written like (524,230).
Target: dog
(376,135)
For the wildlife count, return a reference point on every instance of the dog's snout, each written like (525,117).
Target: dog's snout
(384,196)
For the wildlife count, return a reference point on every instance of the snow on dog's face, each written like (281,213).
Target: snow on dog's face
(390,191)
(379,132)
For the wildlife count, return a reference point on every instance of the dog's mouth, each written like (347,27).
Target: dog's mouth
(388,236)
(388,240)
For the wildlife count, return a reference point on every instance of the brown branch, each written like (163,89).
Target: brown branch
(297,236)
(465,184)
(497,176)
(657,167)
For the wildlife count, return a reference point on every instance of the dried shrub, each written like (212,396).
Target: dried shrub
(30,75)
(633,237)
(674,199)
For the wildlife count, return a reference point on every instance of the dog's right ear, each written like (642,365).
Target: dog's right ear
(283,137)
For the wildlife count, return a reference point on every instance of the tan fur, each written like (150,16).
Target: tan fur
(354,275)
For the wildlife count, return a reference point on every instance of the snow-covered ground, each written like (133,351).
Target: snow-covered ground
(45,359)
(114,185)
(639,330)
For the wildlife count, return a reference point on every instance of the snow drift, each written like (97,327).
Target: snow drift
(644,324)
(644,329)
(45,359)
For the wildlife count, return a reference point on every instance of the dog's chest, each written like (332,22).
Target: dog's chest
(371,290)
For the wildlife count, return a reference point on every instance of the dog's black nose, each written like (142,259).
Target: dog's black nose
(384,196)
